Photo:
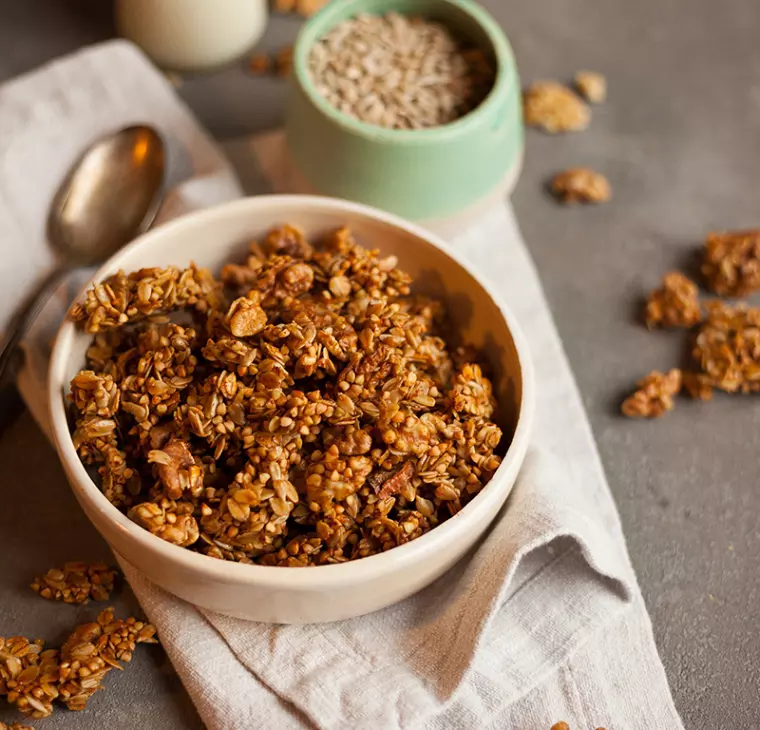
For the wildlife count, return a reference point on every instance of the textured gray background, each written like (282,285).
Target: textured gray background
(680,142)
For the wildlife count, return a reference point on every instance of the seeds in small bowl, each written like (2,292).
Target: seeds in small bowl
(399,72)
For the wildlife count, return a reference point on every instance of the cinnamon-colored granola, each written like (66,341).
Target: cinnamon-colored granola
(675,304)
(654,395)
(304,410)
(731,265)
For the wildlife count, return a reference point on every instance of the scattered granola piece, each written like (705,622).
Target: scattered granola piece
(560,726)
(676,304)
(731,265)
(654,395)
(581,185)
(307,8)
(28,675)
(94,649)
(727,347)
(14,726)
(261,63)
(697,385)
(592,86)
(555,108)
(76,583)
(283,61)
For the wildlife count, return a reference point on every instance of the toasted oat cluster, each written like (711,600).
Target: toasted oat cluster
(555,108)
(654,395)
(303,410)
(675,304)
(731,264)
(32,677)
(581,185)
(592,86)
(727,348)
(76,583)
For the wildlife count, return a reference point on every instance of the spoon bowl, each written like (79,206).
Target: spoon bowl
(110,196)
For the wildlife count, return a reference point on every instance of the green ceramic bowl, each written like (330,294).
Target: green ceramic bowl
(428,175)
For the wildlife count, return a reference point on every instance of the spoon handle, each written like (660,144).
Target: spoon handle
(24,317)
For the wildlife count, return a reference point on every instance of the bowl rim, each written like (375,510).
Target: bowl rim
(326,18)
(316,577)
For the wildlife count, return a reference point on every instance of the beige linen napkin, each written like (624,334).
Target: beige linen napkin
(543,621)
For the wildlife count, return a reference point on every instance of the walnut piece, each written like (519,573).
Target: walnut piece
(654,395)
(581,185)
(675,304)
(731,264)
(555,108)
(592,86)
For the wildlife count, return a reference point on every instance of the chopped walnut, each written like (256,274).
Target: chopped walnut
(731,265)
(555,108)
(676,304)
(76,583)
(245,316)
(389,483)
(654,395)
(727,348)
(177,469)
(581,185)
(592,86)
(312,414)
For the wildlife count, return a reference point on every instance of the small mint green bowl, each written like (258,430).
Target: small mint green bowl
(441,176)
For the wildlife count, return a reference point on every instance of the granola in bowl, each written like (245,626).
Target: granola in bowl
(301,409)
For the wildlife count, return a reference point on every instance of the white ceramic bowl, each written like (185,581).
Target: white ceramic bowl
(331,592)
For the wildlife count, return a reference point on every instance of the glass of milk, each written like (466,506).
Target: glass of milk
(192,35)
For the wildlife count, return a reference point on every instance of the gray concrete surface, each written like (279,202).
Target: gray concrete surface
(680,141)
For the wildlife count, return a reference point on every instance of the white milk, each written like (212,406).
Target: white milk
(192,34)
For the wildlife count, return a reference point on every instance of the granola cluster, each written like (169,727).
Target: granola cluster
(555,108)
(581,185)
(675,304)
(654,395)
(32,677)
(726,338)
(727,348)
(731,265)
(76,583)
(303,410)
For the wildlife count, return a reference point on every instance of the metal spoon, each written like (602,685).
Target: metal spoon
(108,197)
